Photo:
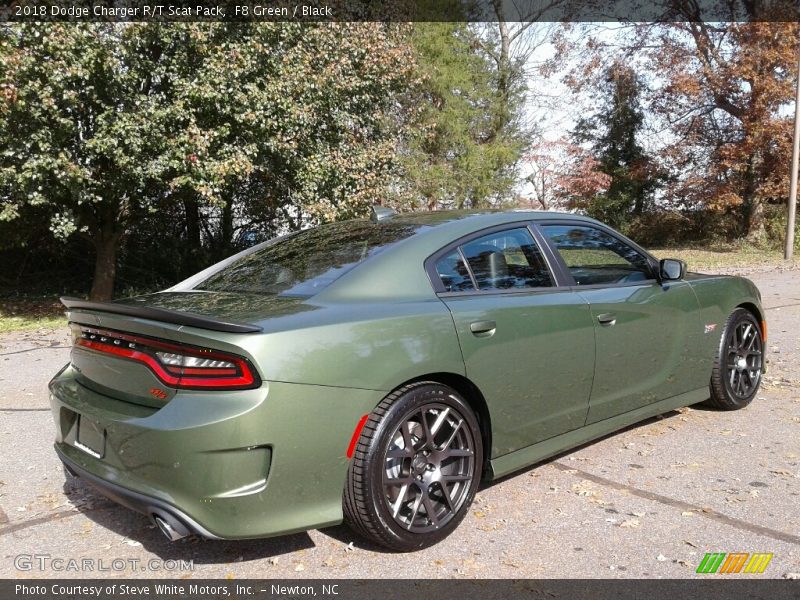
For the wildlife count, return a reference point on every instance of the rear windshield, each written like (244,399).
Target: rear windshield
(305,263)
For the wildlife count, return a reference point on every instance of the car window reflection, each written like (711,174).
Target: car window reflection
(498,261)
(595,257)
(305,263)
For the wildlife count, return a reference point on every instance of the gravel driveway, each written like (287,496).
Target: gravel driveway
(649,501)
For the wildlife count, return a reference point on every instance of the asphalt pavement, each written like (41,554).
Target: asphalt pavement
(649,501)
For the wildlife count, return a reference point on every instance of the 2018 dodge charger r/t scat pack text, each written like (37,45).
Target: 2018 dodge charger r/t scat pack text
(375,371)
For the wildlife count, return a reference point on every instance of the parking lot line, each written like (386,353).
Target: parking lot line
(708,513)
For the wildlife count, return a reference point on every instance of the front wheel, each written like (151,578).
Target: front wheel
(739,362)
(416,468)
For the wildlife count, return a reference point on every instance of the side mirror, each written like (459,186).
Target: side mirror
(671,269)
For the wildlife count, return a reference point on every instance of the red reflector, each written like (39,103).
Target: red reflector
(356,434)
(234,371)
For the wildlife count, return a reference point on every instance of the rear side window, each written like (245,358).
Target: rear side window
(498,261)
(305,263)
(454,274)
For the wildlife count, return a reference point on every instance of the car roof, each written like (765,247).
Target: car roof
(398,273)
(477,217)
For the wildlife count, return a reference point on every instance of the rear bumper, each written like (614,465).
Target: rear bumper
(238,464)
(141,503)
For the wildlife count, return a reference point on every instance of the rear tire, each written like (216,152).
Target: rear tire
(416,468)
(739,363)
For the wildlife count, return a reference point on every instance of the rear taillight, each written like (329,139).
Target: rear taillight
(177,365)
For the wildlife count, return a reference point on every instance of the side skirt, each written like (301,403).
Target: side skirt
(508,463)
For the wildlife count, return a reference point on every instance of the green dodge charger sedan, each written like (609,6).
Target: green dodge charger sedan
(374,371)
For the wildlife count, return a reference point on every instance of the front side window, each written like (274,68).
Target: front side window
(595,257)
(498,261)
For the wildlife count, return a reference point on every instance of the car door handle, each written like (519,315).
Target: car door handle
(607,319)
(483,328)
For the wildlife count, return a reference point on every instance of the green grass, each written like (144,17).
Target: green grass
(726,257)
(23,313)
(9,324)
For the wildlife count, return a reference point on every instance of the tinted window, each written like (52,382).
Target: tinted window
(506,260)
(305,263)
(596,257)
(453,273)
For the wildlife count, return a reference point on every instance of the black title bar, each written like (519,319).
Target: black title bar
(622,11)
(349,589)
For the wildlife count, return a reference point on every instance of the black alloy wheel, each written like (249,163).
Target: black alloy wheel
(416,467)
(428,467)
(739,363)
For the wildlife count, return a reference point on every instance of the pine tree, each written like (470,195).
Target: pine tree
(454,154)
(612,135)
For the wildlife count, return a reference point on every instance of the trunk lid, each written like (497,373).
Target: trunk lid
(144,349)
(233,307)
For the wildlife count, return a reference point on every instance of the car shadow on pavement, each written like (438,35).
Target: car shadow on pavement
(707,408)
(560,455)
(346,535)
(136,529)
(139,529)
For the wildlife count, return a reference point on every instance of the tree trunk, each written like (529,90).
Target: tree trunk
(638,203)
(105,267)
(193,238)
(227,227)
(503,73)
(755,221)
(753,207)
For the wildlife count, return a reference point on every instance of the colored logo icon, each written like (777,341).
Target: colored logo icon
(734,562)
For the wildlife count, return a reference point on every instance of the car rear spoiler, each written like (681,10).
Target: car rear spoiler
(161,314)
